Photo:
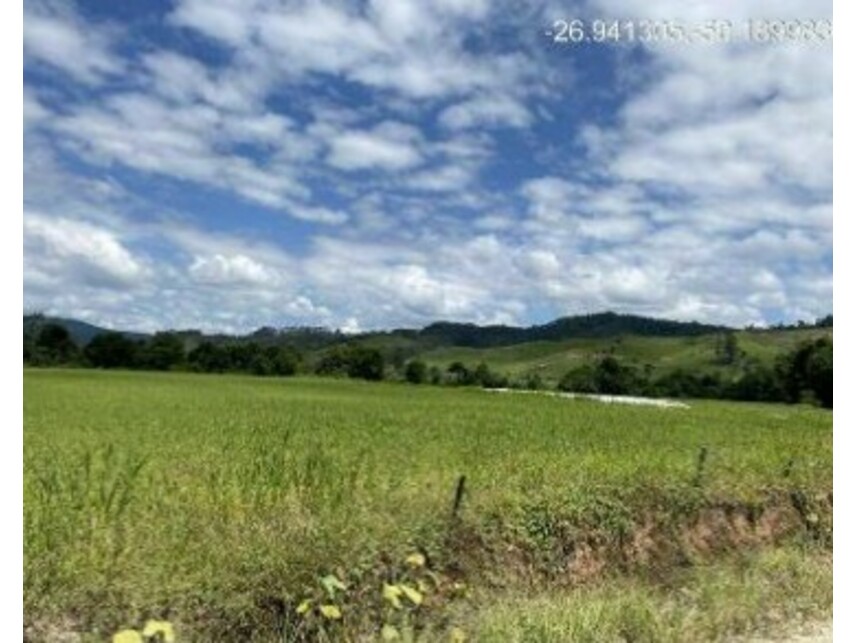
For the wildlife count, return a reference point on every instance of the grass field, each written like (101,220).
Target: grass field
(218,502)
(552,360)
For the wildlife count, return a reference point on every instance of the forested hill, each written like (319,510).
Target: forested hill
(442,333)
(599,325)
(436,335)
(81,332)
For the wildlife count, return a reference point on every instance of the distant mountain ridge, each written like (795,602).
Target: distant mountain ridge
(598,325)
(81,332)
(441,333)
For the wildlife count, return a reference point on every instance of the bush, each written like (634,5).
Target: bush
(416,372)
(579,380)
(353,361)
(163,352)
(112,350)
(54,345)
(809,370)
(608,377)
(208,357)
(486,378)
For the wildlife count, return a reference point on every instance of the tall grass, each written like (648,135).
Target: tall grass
(151,494)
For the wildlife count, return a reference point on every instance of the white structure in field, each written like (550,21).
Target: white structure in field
(607,399)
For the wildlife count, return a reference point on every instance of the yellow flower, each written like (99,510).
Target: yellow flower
(162,628)
(127,636)
(413,595)
(416,560)
(303,608)
(330,611)
(391,594)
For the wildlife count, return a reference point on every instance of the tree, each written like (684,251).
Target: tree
(613,378)
(54,345)
(333,362)
(163,352)
(416,372)
(758,383)
(807,371)
(435,375)
(608,376)
(579,380)
(285,360)
(486,378)
(208,357)
(683,383)
(275,360)
(533,382)
(366,363)
(726,349)
(819,372)
(354,361)
(460,374)
(111,350)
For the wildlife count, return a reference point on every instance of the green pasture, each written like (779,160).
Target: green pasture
(552,360)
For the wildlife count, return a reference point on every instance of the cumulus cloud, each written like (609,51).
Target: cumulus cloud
(393,163)
(221,269)
(65,250)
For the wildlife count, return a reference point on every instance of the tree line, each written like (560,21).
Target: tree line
(803,374)
(51,344)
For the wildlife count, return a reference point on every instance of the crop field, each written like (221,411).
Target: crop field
(242,508)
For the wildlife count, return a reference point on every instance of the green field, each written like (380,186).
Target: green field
(552,360)
(218,502)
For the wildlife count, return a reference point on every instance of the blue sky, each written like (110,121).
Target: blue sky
(226,165)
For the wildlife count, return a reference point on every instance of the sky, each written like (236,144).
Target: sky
(365,165)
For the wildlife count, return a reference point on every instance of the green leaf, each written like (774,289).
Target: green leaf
(331,584)
(303,608)
(389,633)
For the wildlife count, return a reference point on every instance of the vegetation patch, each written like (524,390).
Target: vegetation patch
(238,508)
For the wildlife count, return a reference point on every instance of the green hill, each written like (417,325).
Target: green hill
(698,353)
(550,350)
(81,332)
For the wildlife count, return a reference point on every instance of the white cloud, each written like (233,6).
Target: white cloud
(221,269)
(57,37)
(486,110)
(226,20)
(68,251)
(388,146)
(443,179)
(184,142)
(413,48)
(183,79)
(34,111)
(706,195)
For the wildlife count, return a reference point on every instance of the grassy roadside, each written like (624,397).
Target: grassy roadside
(767,592)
